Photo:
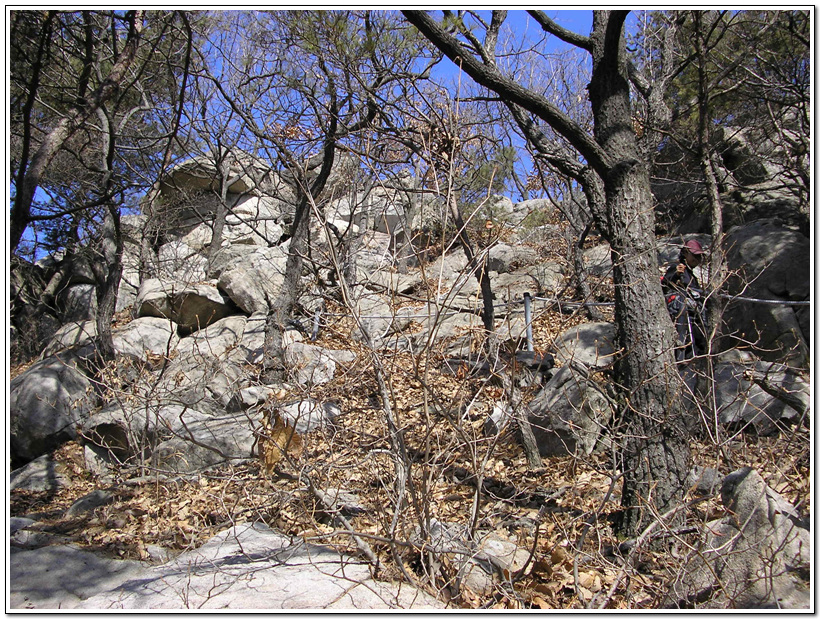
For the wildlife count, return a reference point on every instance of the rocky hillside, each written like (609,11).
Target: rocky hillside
(178,453)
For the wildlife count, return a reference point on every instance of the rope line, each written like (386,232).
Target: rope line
(576,303)
(570,303)
(767,301)
(723,296)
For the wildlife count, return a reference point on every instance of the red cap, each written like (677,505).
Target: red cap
(694,247)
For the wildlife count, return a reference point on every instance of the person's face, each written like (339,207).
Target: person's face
(692,260)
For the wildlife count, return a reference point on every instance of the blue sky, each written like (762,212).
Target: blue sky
(525,28)
(575,20)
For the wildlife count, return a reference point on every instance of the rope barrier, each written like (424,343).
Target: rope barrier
(391,316)
(724,296)
(767,301)
(545,299)
(576,303)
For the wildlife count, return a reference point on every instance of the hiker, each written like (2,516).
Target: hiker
(684,301)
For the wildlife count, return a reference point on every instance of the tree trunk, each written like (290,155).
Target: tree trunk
(707,387)
(224,171)
(655,445)
(108,270)
(479,268)
(406,252)
(655,449)
(351,242)
(108,282)
(717,263)
(281,308)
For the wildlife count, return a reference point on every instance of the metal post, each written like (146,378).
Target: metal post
(528,319)
(316,316)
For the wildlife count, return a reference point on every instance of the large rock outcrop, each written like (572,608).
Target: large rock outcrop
(569,414)
(46,405)
(770,263)
(589,344)
(759,395)
(248,566)
(190,306)
(757,557)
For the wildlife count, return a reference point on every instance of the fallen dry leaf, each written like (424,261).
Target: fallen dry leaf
(541,602)
(277,439)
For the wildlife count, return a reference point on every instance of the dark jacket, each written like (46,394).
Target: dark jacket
(673,280)
(684,311)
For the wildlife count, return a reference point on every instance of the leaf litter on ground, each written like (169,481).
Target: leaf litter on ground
(458,474)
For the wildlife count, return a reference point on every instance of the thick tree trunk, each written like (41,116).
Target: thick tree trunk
(655,450)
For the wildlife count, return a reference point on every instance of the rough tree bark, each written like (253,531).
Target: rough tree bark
(108,268)
(108,274)
(656,446)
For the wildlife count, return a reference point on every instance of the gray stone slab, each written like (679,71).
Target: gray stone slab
(253,567)
(40,475)
(59,577)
